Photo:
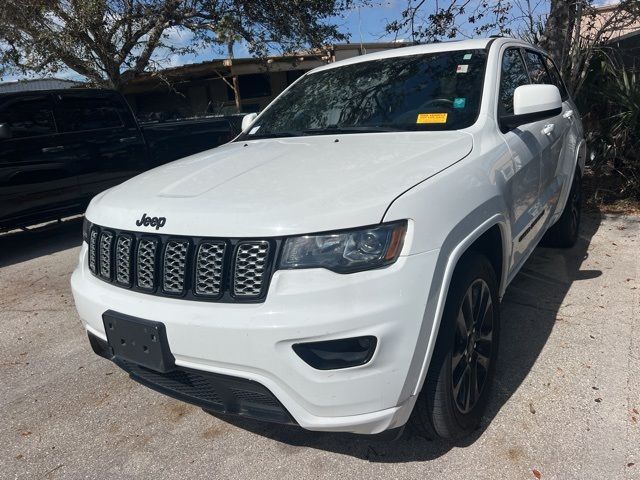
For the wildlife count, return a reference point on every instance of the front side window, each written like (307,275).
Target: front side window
(79,112)
(438,91)
(513,75)
(28,117)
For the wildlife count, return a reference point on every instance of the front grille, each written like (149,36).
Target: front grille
(175,264)
(207,269)
(251,258)
(123,259)
(209,266)
(106,243)
(146,264)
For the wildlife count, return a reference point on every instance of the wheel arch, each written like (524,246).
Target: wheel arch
(482,238)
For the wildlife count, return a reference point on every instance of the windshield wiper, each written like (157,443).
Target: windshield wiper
(363,129)
(273,135)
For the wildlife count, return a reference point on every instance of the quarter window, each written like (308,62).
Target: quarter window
(556,78)
(537,70)
(28,117)
(514,74)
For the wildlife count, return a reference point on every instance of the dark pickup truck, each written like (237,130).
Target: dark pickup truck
(60,148)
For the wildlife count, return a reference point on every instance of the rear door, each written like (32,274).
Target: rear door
(37,172)
(568,153)
(555,130)
(100,129)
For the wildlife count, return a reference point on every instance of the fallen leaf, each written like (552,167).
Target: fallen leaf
(635,410)
(536,473)
(26,433)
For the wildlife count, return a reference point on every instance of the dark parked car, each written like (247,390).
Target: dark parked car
(60,148)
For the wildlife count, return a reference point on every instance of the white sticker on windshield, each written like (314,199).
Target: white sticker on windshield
(462,69)
(254,130)
(467,56)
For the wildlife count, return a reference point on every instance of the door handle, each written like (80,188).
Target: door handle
(127,139)
(57,148)
(568,114)
(548,129)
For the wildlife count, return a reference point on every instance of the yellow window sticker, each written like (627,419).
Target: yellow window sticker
(432,118)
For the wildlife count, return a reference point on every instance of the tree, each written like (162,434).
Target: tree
(226,35)
(450,19)
(112,41)
(592,33)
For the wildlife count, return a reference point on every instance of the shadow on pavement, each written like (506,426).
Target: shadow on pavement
(23,245)
(529,311)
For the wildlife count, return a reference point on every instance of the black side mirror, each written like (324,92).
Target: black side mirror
(509,122)
(5,132)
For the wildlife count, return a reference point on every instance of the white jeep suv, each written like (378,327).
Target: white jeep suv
(340,264)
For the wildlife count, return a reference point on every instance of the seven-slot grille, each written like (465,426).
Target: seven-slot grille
(224,270)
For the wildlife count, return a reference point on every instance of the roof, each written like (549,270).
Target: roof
(42,91)
(37,84)
(476,44)
(625,37)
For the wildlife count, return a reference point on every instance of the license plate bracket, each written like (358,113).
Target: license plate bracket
(138,340)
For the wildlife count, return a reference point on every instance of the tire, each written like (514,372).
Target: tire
(439,412)
(564,233)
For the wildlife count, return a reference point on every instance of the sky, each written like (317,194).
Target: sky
(366,24)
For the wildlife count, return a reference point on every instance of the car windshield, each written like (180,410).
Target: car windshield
(436,91)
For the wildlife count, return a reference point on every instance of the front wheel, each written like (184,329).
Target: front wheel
(457,386)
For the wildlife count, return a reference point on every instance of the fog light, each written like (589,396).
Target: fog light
(334,354)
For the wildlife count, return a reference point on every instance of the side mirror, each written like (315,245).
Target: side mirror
(247,120)
(5,132)
(532,103)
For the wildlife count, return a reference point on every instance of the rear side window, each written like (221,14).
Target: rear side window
(556,79)
(537,69)
(513,75)
(83,112)
(28,117)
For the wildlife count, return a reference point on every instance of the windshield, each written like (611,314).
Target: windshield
(437,91)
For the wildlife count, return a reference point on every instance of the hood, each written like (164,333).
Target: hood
(284,186)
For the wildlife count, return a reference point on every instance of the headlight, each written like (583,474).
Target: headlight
(346,251)
(86,229)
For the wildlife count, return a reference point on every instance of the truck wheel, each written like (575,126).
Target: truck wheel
(456,389)
(564,233)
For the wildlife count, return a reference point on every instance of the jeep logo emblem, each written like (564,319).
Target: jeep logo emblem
(157,222)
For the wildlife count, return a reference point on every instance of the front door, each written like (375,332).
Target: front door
(527,148)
